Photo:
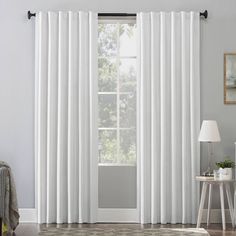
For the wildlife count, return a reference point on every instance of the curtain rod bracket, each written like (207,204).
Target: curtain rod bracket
(29,15)
(202,14)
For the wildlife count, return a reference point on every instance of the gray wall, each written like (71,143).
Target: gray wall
(17,73)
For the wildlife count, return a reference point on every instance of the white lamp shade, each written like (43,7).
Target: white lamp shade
(209,132)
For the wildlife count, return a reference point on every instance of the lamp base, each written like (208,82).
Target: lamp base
(208,172)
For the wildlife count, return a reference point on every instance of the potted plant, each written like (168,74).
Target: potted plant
(225,169)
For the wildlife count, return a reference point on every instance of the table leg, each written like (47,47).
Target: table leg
(0,226)
(230,203)
(209,204)
(201,206)
(234,203)
(222,205)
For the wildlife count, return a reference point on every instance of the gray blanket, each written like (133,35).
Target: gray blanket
(8,199)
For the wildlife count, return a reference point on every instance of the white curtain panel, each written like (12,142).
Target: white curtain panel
(66,117)
(169,116)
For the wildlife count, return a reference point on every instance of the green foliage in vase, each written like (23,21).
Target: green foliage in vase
(226,164)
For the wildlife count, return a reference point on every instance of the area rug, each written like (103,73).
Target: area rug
(51,231)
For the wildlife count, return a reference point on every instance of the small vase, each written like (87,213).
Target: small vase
(225,173)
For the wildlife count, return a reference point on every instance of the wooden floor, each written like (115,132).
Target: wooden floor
(214,229)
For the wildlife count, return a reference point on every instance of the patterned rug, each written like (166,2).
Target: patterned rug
(51,231)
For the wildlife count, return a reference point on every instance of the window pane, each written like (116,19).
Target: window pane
(117,92)
(128,110)
(127,75)
(127,152)
(107,71)
(107,39)
(128,45)
(107,146)
(107,110)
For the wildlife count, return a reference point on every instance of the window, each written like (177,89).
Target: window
(117,92)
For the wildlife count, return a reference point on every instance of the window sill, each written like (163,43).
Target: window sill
(115,164)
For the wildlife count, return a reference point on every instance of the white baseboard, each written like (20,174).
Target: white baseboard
(118,215)
(28,215)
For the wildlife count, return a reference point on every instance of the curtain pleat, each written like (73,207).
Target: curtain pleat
(194,109)
(169,116)
(52,115)
(145,139)
(73,116)
(155,118)
(66,117)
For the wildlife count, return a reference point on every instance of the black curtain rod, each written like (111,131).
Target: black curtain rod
(202,14)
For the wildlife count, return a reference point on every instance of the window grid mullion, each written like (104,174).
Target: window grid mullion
(118,94)
(114,57)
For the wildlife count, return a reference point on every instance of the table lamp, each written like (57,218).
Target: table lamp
(209,133)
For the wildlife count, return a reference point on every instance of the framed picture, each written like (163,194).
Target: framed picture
(230,78)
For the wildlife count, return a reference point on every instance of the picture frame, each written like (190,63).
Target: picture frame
(230,78)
